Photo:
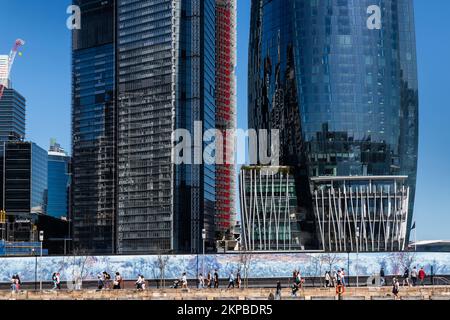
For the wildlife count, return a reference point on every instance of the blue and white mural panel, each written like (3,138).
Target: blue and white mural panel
(258,265)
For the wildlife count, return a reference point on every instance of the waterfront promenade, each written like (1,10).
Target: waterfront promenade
(363,293)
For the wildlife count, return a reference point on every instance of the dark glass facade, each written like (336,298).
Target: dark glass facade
(12,116)
(142,69)
(93,128)
(23,188)
(344,96)
(58,183)
(166,68)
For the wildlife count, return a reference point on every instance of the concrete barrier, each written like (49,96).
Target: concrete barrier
(382,298)
(323,298)
(415,298)
(354,298)
(440,298)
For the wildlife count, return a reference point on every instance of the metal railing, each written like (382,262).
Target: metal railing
(440,281)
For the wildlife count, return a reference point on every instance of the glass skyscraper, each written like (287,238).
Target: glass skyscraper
(93,129)
(12,116)
(344,94)
(142,69)
(58,182)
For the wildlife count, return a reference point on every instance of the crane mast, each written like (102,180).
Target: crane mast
(10,62)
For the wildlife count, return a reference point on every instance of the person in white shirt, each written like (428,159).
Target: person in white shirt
(231,280)
(201,281)
(327,279)
(184,281)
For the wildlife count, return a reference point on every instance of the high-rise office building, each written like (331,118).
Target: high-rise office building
(12,116)
(142,69)
(226,115)
(58,181)
(339,79)
(93,129)
(23,177)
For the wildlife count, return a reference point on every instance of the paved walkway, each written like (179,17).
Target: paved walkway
(416,293)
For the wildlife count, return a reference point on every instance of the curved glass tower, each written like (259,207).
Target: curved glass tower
(339,79)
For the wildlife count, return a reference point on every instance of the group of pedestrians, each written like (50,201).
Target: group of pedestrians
(335,278)
(410,278)
(211,280)
(297,282)
(56,279)
(414,275)
(15,283)
(105,282)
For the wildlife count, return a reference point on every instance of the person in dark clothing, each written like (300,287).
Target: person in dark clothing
(382,281)
(278,292)
(406,277)
(216,279)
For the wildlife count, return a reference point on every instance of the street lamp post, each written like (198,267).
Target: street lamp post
(203,258)
(35,268)
(357,257)
(41,239)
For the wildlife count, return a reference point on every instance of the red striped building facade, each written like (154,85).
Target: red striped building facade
(226,114)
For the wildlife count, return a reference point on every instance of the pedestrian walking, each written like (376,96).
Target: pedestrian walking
(422,276)
(140,283)
(343,277)
(58,281)
(209,280)
(117,281)
(296,285)
(278,291)
(396,288)
(184,284)
(54,281)
(231,280)
(414,276)
(100,282)
(238,279)
(382,280)
(327,279)
(201,281)
(334,278)
(14,286)
(406,277)
(216,279)
(338,276)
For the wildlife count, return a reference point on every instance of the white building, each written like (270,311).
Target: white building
(4,66)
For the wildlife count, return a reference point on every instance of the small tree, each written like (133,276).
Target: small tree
(79,259)
(316,265)
(245,260)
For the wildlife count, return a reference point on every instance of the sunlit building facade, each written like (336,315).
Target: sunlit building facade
(343,93)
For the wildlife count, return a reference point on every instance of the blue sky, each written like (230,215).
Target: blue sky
(42,75)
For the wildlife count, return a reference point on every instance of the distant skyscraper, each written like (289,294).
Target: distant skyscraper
(12,116)
(23,177)
(226,113)
(58,181)
(153,72)
(344,95)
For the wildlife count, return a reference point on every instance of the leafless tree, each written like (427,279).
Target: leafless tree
(160,264)
(245,260)
(316,265)
(78,261)
(330,259)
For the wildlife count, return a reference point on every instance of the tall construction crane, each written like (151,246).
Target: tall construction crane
(10,62)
